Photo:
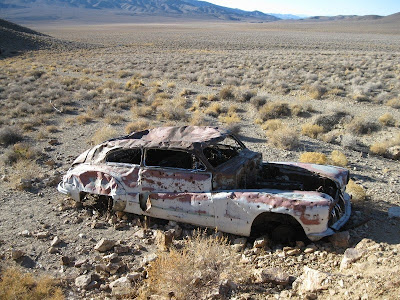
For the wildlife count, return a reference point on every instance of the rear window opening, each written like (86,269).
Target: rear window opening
(126,156)
(172,159)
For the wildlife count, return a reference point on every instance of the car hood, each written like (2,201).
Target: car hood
(337,174)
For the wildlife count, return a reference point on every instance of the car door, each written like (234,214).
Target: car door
(124,165)
(176,186)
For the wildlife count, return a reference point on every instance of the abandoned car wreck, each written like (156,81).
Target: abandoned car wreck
(206,176)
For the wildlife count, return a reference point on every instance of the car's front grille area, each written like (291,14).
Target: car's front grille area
(337,211)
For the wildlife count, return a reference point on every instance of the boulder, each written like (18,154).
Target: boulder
(83,281)
(104,245)
(340,239)
(273,275)
(311,281)
(350,256)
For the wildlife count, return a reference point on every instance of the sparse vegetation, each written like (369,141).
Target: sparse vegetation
(9,136)
(338,158)
(195,270)
(313,158)
(357,191)
(274,110)
(17,285)
(387,119)
(311,130)
(102,135)
(284,138)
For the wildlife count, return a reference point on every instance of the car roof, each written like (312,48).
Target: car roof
(177,137)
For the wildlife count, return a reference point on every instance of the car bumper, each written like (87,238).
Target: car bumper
(69,190)
(339,224)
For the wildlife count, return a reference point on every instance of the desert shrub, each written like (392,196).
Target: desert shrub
(382,147)
(357,191)
(394,102)
(185,93)
(361,126)
(83,119)
(258,101)
(212,97)
(387,119)
(9,136)
(124,74)
(284,137)
(134,84)
(226,93)
(21,151)
(171,85)
(349,141)
(141,111)
(313,158)
(103,134)
(338,158)
(311,130)
(316,91)
(297,110)
(136,126)
(195,270)
(328,122)
(114,119)
(273,124)
(17,285)
(214,110)
(198,119)
(245,96)
(229,118)
(51,129)
(173,110)
(274,110)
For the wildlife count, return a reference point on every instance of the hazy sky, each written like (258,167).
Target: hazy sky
(316,7)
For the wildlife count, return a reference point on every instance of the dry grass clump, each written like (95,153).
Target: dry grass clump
(195,270)
(258,101)
(186,92)
(214,110)
(51,129)
(328,122)
(356,191)
(284,138)
(103,134)
(136,126)
(387,119)
(382,147)
(114,119)
(81,119)
(316,91)
(311,130)
(229,118)
(361,126)
(17,285)
(227,93)
(141,111)
(313,158)
(273,124)
(9,136)
(395,102)
(171,85)
(274,110)
(134,84)
(198,119)
(338,158)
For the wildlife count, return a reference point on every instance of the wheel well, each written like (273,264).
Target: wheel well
(268,223)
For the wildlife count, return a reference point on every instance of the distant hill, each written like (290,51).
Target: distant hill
(66,9)
(15,39)
(346,17)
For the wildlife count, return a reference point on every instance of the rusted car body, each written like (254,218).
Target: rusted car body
(206,176)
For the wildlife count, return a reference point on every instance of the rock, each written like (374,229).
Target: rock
(80,262)
(141,234)
(239,244)
(110,257)
(98,225)
(112,268)
(311,281)
(99,268)
(394,212)
(104,245)
(52,250)
(226,287)
(393,152)
(261,242)
(134,276)
(164,240)
(24,184)
(121,286)
(42,234)
(121,249)
(293,252)
(16,254)
(83,281)
(274,275)
(26,233)
(340,239)
(350,255)
(149,258)
(65,260)
(55,241)
(93,285)
(310,249)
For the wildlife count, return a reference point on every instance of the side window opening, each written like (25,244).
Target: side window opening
(172,159)
(222,152)
(126,156)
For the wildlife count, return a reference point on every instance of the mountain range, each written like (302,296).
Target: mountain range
(39,9)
